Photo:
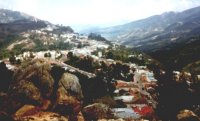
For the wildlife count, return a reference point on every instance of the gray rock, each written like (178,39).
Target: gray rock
(97,111)
(25,92)
(38,72)
(71,84)
(69,95)
(43,116)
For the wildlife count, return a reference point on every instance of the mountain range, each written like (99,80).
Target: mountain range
(17,27)
(8,16)
(172,37)
(155,32)
(14,22)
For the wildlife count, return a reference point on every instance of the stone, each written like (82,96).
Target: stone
(69,95)
(96,111)
(25,110)
(38,72)
(43,116)
(32,84)
(25,92)
(71,84)
(46,104)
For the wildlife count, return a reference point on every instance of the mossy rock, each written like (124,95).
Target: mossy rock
(25,92)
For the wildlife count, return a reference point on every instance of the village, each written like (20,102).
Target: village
(136,96)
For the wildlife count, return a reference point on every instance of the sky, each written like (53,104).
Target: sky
(100,13)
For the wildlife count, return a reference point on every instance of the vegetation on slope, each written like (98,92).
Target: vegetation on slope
(194,68)
(177,57)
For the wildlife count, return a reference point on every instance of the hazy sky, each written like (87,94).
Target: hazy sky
(96,12)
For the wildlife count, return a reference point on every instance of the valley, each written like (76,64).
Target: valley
(167,37)
(146,70)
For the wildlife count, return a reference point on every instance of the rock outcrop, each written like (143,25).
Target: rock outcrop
(71,84)
(37,72)
(26,92)
(96,111)
(35,95)
(69,95)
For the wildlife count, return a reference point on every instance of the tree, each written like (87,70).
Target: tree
(109,55)
(96,37)
(31,55)
(47,54)
(70,55)
(12,59)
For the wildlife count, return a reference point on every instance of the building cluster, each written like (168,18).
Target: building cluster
(137,96)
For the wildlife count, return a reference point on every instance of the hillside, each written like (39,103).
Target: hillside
(48,72)
(172,37)
(8,16)
(157,31)
(193,67)
(20,32)
(14,22)
(179,55)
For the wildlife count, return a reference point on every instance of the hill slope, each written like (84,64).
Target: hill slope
(156,32)
(8,16)
(13,23)
(19,31)
(179,55)
(172,38)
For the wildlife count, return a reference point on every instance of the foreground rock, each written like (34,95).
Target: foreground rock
(69,95)
(71,84)
(38,72)
(97,111)
(35,95)
(26,92)
(43,116)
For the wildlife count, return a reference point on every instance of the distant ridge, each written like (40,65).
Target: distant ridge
(155,32)
(7,16)
(172,37)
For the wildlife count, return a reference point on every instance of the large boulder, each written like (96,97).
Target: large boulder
(32,84)
(69,95)
(71,84)
(43,116)
(25,111)
(97,111)
(33,113)
(34,90)
(25,92)
(38,72)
